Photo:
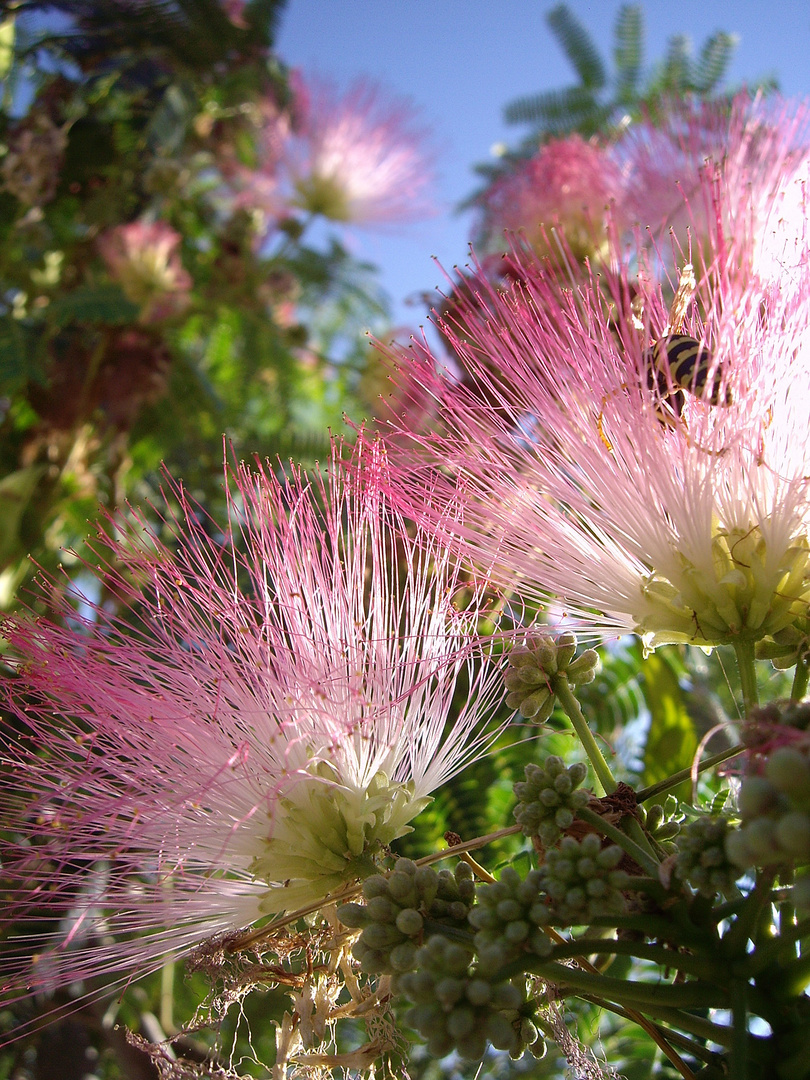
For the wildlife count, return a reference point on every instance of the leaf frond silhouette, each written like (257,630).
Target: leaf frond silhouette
(578,46)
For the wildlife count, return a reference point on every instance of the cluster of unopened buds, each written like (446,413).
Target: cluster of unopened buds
(702,859)
(456,1004)
(534,667)
(510,916)
(774,807)
(401,908)
(583,880)
(408,925)
(549,797)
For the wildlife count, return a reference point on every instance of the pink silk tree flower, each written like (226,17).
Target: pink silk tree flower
(753,148)
(268,709)
(568,185)
(143,257)
(234,9)
(590,479)
(361,158)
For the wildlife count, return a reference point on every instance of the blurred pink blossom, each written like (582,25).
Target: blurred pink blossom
(143,257)
(234,9)
(362,156)
(268,711)
(758,149)
(569,184)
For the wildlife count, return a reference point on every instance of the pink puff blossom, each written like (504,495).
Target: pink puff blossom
(578,484)
(143,257)
(268,710)
(362,156)
(568,185)
(756,150)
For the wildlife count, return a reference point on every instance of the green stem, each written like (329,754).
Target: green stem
(744,651)
(674,1037)
(566,698)
(664,958)
(695,1025)
(686,774)
(659,927)
(634,850)
(772,952)
(744,926)
(739,1030)
(800,678)
(689,995)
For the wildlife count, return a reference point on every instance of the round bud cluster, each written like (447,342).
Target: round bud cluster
(702,858)
(533,667)
(397,909)
(509,917)
(583,881)
(457,1007)
(548,800)
(657,825)
(775,811)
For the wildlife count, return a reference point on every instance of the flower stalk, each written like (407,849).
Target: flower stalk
(571,706)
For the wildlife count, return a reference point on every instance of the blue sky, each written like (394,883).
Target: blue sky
(460,61)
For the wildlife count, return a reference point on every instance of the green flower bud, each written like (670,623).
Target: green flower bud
(757,796)
(409,922)
(793,834)
(585,668)
(533,667)
(548,799)
(353,915)
(703,859)
(789,770)
(583,881)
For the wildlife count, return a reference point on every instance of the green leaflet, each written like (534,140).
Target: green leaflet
(671,741)
(95,304)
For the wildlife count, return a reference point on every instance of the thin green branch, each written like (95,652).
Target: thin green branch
(779,950)
(699,967)
(696,1049)
(566,698)
(800,678)
(745,925)
(630,847)
(689,995)
(685,774)
(746,664)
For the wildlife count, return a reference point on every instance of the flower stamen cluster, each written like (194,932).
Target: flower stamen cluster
(281,716)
